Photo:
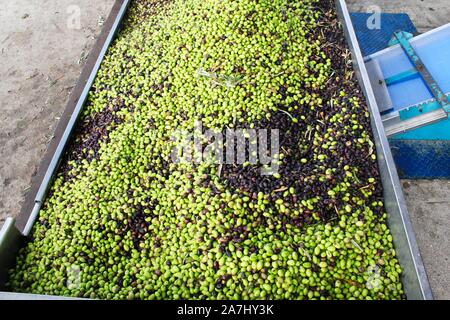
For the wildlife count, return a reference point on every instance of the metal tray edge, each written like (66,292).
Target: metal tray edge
(415,279)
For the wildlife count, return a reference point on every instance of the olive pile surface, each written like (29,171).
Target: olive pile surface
(123,221)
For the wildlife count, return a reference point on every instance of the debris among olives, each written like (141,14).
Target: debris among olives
(123,221)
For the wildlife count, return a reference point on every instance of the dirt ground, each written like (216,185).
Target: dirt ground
(43,46)
(42,51)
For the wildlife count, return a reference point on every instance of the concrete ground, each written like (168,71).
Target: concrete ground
(429,208)
(426,14)
(428,201)
(43,46)
(42,51)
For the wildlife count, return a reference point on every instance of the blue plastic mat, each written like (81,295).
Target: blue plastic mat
(422,159)
(373,40)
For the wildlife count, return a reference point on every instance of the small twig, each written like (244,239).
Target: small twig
(220,170)
(32,76)
(292,118)
(335,208)
(331,77)
(306,253)
(280,189)
(357,245)
(310,132)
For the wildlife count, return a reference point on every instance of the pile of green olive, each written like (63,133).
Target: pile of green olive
(125,222)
